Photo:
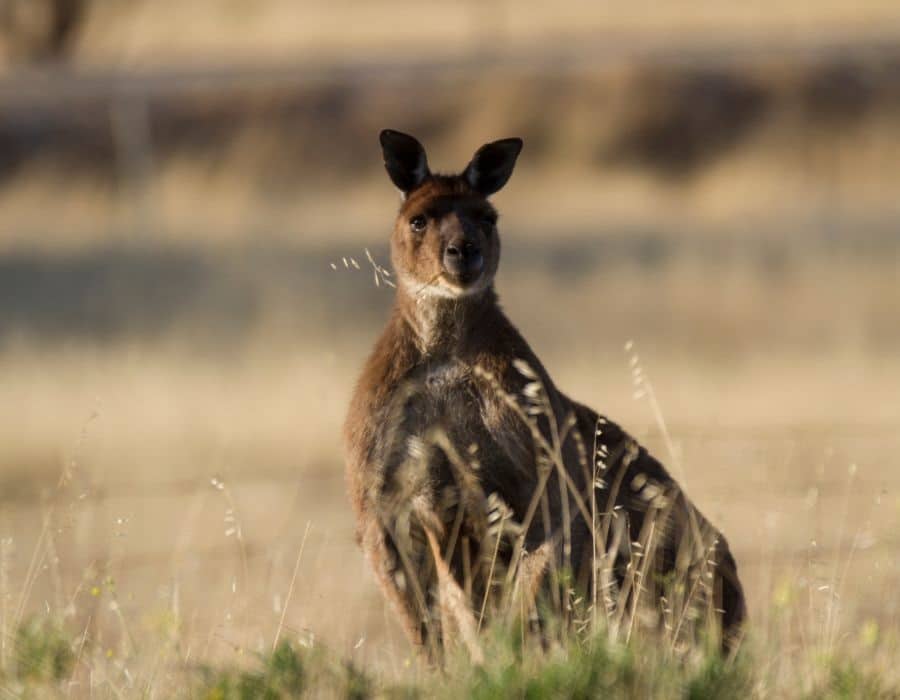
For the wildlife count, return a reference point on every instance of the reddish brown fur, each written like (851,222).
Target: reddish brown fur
(448,361)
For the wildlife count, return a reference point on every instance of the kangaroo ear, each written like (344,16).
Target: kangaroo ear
(492,165)
(404,160)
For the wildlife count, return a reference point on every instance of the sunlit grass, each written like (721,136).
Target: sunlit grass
(48,663)
(140,584)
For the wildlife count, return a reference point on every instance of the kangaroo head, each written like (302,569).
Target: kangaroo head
(445,240)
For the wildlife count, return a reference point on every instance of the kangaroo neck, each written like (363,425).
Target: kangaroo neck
(445,325)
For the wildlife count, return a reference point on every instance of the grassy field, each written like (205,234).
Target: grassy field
(186,299)
(174,502)
(171,486)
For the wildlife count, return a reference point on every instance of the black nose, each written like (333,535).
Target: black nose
(463,258)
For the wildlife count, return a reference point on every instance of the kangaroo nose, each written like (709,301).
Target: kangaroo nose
(463,258)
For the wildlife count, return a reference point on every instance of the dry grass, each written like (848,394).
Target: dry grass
(189,483)
(171,489)
(156,487)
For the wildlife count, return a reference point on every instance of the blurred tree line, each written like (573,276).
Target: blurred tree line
(39,30)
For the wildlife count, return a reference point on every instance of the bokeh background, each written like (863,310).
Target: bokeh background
(191,198)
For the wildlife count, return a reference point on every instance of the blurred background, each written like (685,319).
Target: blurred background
(191,201)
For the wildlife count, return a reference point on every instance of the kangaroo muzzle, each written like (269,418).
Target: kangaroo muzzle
(463,260)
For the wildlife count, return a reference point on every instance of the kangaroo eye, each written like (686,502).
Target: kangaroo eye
(418,223)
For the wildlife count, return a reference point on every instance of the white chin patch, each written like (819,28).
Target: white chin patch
(441,289)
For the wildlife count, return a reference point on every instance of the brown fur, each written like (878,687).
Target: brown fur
(451,363)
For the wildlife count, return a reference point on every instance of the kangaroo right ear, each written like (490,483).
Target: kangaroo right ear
(492,165)
(404,160)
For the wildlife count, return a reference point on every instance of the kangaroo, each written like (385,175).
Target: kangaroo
(456,426)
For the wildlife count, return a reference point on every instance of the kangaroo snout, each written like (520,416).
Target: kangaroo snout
(463,259)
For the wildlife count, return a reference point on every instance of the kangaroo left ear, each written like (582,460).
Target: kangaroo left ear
(492,165)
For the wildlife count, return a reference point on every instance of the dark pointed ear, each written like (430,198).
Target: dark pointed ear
(404,160)
(492,165)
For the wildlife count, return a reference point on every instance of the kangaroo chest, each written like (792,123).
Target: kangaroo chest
(445,376)
(439,401)
(444,394)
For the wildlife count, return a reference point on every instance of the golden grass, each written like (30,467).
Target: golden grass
(179,502)
(190,483)
(191,474)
